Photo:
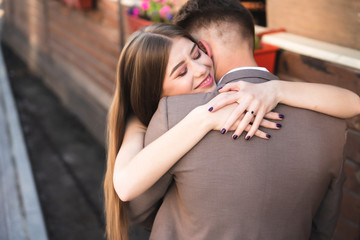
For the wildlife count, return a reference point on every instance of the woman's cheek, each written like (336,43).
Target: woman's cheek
(187,86)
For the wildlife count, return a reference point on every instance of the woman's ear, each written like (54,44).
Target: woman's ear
(204,46)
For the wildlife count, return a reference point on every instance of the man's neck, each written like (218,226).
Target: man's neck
(239,62)
(227,63)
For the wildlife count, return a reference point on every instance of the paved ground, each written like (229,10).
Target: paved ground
(67,162)
(20,212)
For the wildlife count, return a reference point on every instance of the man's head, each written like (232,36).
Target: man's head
(226,25)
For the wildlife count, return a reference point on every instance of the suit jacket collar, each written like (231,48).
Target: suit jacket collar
(250,75)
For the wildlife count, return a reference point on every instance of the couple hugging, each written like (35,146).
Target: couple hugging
(178,160)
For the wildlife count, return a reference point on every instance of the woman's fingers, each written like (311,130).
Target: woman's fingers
(260,121)
(258,133)
(236,115)
(222,100)
(274,116)
(242,125)
(261,134)
(249,115)
(255,125)
(269,124)
(230,87)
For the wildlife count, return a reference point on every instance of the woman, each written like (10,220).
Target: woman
(163,60)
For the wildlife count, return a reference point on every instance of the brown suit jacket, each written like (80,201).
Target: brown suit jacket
(288,187)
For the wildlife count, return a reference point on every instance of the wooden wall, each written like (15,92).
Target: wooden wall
(333,21)
(75,51)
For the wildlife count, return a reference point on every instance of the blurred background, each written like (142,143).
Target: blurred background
(60,56)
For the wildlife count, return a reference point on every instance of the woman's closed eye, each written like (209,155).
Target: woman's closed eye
(197,54)
(182,72)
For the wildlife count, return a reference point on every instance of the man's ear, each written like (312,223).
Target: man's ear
(204,46)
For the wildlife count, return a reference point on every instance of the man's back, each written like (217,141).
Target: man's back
(257,189)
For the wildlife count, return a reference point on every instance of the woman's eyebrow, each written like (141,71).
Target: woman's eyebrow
(182,62)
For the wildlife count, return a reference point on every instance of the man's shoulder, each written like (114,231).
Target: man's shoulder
(308,124)
(188,98)
(177,107)
(171,110)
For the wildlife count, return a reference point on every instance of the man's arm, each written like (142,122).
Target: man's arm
(142,210)
(325,219)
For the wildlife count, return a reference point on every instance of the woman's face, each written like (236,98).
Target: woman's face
(189,70)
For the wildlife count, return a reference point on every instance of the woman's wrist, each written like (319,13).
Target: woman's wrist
(276,87)
(202,117)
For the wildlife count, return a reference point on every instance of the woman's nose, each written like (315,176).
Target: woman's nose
(199,69)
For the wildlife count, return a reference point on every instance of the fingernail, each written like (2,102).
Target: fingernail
(223,131)
(247,138)
(220,88)
(278,125)
(235,137)
(268,135)
(252,112)
(210,109)
(281,116)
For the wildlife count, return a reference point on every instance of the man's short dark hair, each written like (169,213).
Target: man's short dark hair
(202,13)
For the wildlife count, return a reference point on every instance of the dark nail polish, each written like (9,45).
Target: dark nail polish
(252,112)
(281,116)
(268,135)
(235,137)
(223,131)
(278,125)
(210,109)
(247,138)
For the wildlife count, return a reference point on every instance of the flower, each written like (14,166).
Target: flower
(145,5)
(136,12)
(164,10)
(154,10)
(169,16)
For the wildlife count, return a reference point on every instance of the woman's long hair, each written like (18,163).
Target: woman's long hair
(140,74)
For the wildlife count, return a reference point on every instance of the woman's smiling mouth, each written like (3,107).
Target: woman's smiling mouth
(208,81)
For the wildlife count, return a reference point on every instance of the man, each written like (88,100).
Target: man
(286,188)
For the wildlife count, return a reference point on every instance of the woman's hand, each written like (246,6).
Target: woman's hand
(254,102)
(216,120)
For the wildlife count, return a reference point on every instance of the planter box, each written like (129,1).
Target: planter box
(135,23)
(266,56)
(79,4)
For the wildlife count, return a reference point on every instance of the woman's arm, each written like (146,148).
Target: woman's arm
(327,99)
(137,169)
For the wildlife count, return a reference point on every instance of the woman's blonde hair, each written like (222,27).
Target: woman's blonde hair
(140,74)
